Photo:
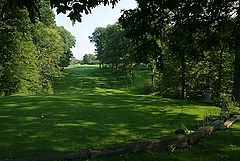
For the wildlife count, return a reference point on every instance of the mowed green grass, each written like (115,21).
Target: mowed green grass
(89,109)
(221,146)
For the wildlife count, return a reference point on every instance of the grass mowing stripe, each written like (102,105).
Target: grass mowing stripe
(89,109)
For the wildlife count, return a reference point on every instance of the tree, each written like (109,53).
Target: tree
(69,42)
(115,51)
(19,72)
(193,23)
(29,54)
(75,8)
(50,48)
(98,39)
(75,61)
(47,16)
(199,18)
(89,59)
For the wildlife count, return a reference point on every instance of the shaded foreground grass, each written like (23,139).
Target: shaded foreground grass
(90,109)
(221,146)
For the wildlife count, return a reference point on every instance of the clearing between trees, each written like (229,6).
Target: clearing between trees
(91,109)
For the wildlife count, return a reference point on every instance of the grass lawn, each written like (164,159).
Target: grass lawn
(90,109)
(221,146)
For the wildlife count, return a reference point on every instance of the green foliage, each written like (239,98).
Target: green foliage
(146,89)
(69,42)
(74,61)
(202,76)
(89,59)
(185,29)
(72,119)
(99,39)
(50,48)
(19,73)
(196,45)
(30,54)
(47,16)
(115,51)
(191,48)
(229,106)
(75,9)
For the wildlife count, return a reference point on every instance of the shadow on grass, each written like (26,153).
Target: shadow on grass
(221,146)
(47,125)
(85,80)
(98,118)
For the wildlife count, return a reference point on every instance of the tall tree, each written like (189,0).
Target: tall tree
(19,72)
(115,50)
(194,17)
(69,42)
(30,54)
(50,48)
(89,59)
(199,19)
(98,39)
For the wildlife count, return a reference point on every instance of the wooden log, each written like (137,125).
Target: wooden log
(216,125)
(230,121)
(206,130)
(151,145)
(195,136)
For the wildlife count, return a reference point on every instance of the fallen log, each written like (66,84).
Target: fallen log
(203,131)
(233,119)
(151,145)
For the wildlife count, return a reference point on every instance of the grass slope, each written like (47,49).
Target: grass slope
(89,109)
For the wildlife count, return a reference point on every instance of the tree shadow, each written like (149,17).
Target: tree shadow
(94,116)
(47,125)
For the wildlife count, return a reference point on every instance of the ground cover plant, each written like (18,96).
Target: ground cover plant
(89,109)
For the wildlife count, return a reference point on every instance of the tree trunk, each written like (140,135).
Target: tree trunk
(236,84)
(153,76)
(183,77)
(220,75)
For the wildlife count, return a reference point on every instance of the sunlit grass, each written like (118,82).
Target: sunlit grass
(89,109)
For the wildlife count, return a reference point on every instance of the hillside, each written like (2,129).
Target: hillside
(89,109)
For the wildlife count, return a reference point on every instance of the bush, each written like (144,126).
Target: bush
(229,105)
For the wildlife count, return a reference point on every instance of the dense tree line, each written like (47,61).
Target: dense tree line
(31,54)
(198,44)
(189,39)
(89,59)
(114,50)
(191,48)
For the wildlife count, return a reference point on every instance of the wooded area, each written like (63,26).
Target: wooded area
(31,55)
(191,48)
(187,49)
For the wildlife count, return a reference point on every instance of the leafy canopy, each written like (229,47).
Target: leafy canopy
(74,8)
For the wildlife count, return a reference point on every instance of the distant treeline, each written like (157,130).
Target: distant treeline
(178,66)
